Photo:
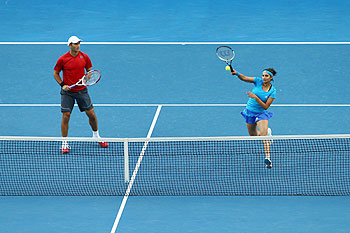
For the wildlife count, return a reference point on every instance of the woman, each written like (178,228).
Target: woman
(256,114)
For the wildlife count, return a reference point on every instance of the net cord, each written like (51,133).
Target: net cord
(160,139)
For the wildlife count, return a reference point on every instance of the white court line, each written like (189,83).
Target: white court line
(178,105)
(185,43)
(122,206)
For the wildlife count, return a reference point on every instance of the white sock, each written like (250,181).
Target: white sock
(95,134)
(64,144)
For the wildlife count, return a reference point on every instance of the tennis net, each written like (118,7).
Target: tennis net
(301,165)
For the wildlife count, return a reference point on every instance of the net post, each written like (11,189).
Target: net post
(126,161)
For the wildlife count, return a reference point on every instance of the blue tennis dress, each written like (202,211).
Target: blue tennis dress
(254,112)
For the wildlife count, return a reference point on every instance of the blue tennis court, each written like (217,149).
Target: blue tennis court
(195,96)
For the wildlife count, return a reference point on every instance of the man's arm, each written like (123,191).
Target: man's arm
(58,79)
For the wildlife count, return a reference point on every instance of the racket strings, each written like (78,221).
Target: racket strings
(225,53)
(91,78)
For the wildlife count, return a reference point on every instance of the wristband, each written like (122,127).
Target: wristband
(62,84)
(237,73)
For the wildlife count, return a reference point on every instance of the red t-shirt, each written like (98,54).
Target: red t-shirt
(73,68)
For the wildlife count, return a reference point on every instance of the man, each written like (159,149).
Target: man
(73,64)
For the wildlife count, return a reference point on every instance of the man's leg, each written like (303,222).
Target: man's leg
(94,126)
(67,104)
(65,123)
(92,119)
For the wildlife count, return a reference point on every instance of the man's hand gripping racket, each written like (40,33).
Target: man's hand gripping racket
(226,54)
(90,78)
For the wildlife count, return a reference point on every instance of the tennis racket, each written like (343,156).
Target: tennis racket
(90,78)
(226,54)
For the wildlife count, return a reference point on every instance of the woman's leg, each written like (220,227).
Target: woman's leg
(263,128)
(252,129)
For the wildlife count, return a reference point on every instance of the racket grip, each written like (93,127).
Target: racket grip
(231,68)
(72,86)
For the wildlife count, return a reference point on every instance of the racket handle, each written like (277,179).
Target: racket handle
(231,68)
(72,86)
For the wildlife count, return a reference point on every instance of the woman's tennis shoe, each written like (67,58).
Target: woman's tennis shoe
(268,163)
